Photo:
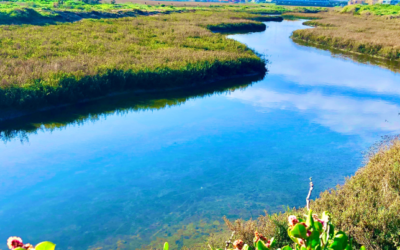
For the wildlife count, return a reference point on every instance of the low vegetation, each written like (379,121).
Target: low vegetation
(41,12)
(367,34)
(376,9)
(49,65)
(366,207)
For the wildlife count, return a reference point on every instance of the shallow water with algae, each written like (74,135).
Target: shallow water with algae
(125,171)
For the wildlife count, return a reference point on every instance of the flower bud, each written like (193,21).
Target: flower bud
(268,244)
(14,242)
(293,220)
(238,244)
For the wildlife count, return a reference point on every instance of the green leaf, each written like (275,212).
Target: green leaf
(294,239)
(349,245)
(166,246)
(331,231)
(362,248)
(313,240)
(19,248)
(317,247)
(246,247)
(286,248)
(310,220)
(261,246)
(299,231)
(339,241)
(318,226)
(45,245)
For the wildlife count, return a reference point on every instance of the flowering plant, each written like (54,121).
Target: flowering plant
(15,243)
(316,234)
(311,233)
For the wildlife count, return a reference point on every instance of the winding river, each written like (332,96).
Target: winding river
(122,171)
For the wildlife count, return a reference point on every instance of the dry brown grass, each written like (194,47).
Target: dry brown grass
(365,34)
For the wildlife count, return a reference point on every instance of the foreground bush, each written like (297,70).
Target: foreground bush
(366,207)
(312,233)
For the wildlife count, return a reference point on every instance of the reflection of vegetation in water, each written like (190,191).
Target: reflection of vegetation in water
(366,59)
(81,113)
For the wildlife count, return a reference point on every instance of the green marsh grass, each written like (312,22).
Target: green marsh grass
(52,11)
(55,64)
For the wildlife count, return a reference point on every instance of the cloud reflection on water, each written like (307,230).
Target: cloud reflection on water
(312,67)
(342,114)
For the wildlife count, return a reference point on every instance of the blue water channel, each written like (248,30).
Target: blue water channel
(129,169)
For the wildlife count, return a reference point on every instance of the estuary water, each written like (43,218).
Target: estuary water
(127,171)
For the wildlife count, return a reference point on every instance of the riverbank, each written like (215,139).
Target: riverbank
(355,32)
(365,206)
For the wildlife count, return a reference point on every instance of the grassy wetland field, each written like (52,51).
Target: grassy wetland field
(81,50)
(368,30)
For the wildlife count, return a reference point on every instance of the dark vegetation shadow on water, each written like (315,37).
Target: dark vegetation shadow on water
(21,128)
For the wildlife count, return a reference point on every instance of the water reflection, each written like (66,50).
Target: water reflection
(312,67)
(79,114)
(339,113)
(364,59)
